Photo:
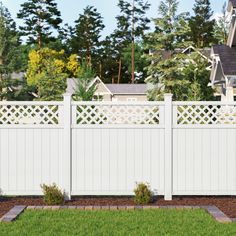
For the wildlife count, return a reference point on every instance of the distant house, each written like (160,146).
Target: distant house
(114,92)
(223,73)
(203,52)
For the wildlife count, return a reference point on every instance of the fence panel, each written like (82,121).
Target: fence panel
(204,150)
(31,147)
(116,145)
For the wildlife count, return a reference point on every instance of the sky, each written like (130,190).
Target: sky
(70,9)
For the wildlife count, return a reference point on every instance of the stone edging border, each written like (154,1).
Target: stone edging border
(214,211)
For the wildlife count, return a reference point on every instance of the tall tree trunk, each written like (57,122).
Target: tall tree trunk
(133,66)
(100,70)
(119,73)
(40,44)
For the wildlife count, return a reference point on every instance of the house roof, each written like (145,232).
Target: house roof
(204,52)
(227,58)
(112,88)
(127,88)
(232,3)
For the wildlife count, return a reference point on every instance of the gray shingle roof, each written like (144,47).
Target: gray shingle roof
(227,58)
(233,2)
(127,88)
(114,88)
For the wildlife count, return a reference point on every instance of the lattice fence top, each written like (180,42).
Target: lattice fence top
(29,114)
(117,114)
(206,114)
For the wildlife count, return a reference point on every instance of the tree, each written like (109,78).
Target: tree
(39,60)
(51,83)
(139,61)
(86,37)
(131,26)
(47,72)
(221,29)
(15,89)
(202,24)
(164,43)
(40,18)
(84,89)
(9,40)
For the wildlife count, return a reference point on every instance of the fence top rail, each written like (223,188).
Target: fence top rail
(31,103)
(202,103)
(112,103)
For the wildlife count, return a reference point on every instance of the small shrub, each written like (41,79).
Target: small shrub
(143,194)
(52,195)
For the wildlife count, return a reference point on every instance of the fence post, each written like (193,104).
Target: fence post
(67,143)
(168,147)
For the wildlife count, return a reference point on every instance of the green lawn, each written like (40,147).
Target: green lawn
(146,222)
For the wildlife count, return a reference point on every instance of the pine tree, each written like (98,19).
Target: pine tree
(165,64)
(84,90)
(131,26)
(87,33)
(9,39)
(201,24)
(40,18)
(221,29)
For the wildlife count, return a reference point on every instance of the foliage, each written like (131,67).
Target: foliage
(52,194)
(73,65)
(48,70)
(132,23)
(185,76)
(221,29)
(197,75)
(139,60)
(143,194)
(51,83)
(202,24)
(147,222)
(39,60)
(15,89)
(171,29)
(87,32)
(40,18)
(9,41)
(84,90)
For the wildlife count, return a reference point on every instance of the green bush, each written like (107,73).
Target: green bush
(143,194)
(52,195)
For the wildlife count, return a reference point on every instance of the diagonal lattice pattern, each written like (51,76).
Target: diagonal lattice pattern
(29,114)
(206,114)
(119,114)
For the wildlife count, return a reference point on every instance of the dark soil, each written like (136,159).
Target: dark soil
(226,204)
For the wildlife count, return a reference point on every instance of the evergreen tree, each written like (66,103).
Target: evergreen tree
(131,26)
(84,89)
(9,40)
(221,29)
(86,35)
(40,18)
(165,63)
(201,24)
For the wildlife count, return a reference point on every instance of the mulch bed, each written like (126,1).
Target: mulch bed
(225,204)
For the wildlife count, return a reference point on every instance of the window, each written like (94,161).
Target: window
(97,98)
(131,99)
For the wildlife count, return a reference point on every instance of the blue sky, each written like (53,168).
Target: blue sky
(70,9)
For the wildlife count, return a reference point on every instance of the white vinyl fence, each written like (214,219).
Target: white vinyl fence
(104,148)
